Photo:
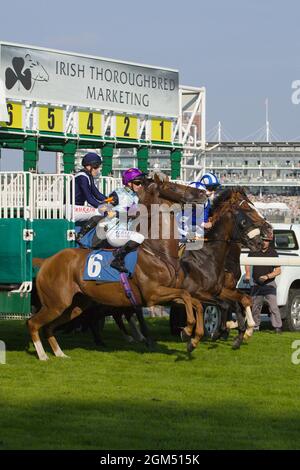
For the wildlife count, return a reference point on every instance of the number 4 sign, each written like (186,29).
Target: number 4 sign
(90,123)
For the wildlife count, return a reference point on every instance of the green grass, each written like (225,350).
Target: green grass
(128,398)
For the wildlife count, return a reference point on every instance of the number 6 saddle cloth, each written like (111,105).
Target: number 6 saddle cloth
(97,266)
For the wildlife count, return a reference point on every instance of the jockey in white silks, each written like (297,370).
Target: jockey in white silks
(116,226)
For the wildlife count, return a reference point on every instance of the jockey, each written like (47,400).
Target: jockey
(86,190)
(117,225)
(196,228)
(211,184)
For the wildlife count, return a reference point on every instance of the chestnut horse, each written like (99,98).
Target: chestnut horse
(234,220)
(157,278)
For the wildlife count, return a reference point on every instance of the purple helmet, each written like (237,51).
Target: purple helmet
(132,174)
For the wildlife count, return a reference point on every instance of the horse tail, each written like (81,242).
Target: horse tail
(37,262)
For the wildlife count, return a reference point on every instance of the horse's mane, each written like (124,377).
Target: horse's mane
(226,199)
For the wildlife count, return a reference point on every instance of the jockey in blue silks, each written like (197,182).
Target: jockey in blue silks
(210,183)
(190,220)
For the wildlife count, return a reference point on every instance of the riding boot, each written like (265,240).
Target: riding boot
(92,222)
(120,253)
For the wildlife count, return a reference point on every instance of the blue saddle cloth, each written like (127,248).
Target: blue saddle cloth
(97,266)
(87,240)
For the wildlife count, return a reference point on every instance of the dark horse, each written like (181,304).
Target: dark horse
(235,220)
(157,278)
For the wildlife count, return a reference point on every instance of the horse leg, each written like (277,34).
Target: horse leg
(135,331)
(144,328)
(166,294)
(199,330)
(43,316)
(96,326)
(68,315)
(241,327)
(246,301)
(119,321)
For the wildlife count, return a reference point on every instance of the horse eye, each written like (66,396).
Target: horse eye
(243,223)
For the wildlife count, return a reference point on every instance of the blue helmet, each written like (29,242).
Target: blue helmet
(92,159)
(198,185)
(209,180)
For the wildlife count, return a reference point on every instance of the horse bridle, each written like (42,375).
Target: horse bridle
(242,220)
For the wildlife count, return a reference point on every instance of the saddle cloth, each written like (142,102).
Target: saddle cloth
(97,266)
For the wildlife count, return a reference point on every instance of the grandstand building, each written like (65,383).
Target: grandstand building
(264,168)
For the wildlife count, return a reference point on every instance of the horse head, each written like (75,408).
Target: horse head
(247,224)
(165,191)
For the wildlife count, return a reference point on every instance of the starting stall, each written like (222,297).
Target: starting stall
(65,103)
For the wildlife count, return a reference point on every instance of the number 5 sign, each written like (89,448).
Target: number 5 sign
(51,119)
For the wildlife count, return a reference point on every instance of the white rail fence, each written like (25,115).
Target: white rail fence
(35,196)
(53,196)
(14,196)
(280,261)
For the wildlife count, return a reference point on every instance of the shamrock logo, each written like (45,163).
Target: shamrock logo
(12,76)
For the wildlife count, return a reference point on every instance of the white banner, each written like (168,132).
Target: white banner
(64,78)
(3,109)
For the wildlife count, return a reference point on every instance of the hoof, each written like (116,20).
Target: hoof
(190,347)
(225,334)
(237,343)
(216,335)
(248,334)
(44,358)
(150,343)
(184,336)
(129,339)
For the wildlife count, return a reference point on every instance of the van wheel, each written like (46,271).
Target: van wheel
(292,320)
(212,319)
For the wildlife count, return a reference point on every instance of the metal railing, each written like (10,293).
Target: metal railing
(52,196)
(14,195)
(36,196)
(107,184)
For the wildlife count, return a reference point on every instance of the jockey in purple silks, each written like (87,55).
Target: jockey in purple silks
(117,228)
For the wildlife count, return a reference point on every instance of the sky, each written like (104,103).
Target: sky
(242,51)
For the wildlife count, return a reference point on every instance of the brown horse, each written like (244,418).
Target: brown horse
(241,301)
(234,220)
(157,279)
